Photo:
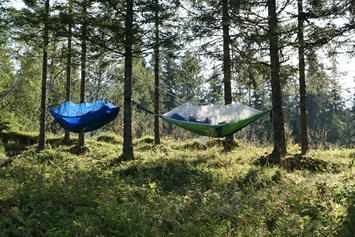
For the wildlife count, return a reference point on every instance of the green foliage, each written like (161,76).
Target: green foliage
(174,189)
(23,100)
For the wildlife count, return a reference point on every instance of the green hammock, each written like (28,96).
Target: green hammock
(213,120)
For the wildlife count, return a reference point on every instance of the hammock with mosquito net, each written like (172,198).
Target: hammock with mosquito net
(84,117)
(213,120)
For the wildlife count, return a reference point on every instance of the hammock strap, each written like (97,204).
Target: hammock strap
(143,108)
(271,112)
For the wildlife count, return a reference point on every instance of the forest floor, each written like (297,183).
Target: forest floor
(173,189)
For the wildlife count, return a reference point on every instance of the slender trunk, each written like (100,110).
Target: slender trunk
(127,116)
(229,143)
(302,79)
(170,105)
(42,135)
(81,140)
(68,69)
(278,120)
(156,76)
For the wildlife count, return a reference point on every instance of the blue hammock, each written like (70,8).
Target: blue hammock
(84,117)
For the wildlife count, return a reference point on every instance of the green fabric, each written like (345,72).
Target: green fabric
(221,130)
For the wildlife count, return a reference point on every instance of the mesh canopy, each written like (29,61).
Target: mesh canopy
(84,117)
(213,120)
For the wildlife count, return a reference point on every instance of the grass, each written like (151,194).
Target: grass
(174,189)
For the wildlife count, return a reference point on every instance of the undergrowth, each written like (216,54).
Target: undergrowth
(173,189)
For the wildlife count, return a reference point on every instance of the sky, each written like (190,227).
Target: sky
(347,65)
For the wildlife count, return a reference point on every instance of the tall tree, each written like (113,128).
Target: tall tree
(212,21)
(159,34)
(278,117)
(302,78)
(81,139)
(42,138)
(229,140)
(156,75)
(170,82)
(127,117)
(68,66)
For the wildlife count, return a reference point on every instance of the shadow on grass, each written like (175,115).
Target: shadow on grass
(110,138)
(49,200)
(175,175)
(16,142)
(76,150)
(348,228)
(55,197)
(59,141)
(295,162)
(254,180)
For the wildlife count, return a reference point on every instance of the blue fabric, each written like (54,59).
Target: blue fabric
(84,117)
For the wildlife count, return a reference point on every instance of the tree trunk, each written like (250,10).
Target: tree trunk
(127,116)
(229,142)
(302,79)
(81,140)
(278,119)
(170,103)
(68,70)
(42,135)
(156,76)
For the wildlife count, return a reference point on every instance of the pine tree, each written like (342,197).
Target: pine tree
(302,78)
(42,138)
(229,141)
(159,34)
(278,119)
(156,73)
(84,35)
(129,40)
(214,17)
(69,64)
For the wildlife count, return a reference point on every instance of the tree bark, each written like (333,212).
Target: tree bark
(81,140)
(278,119)
(127,116)
(42,135)
(68,69)
(229,142)
(302,79)
(156,76)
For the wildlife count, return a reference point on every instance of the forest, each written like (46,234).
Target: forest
(289,173)
(202,53)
